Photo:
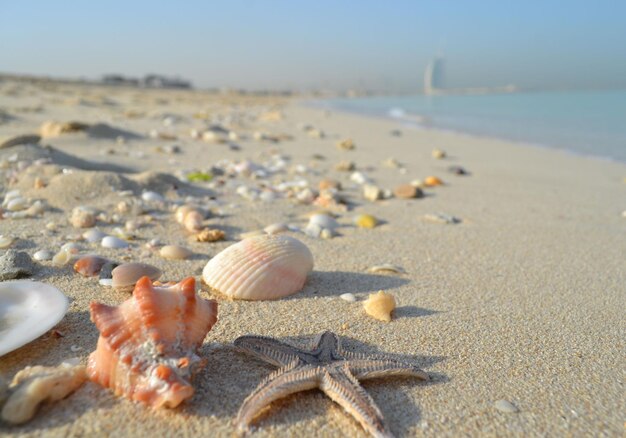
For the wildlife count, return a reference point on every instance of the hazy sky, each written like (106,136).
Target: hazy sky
(383,45)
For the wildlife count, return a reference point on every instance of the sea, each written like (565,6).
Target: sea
(591,123)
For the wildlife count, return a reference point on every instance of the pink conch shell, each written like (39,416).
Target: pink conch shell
(147,346)
(260,268)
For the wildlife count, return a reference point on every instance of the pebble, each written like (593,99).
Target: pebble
(458,170)
(93,236)
(83,217)
(276,228)
(175,252)
(346,144)
(407,191)
(323,221)
(43,255)
(431,181)
(505,406)
(359,178)
(328,183)
(15,264)
(348,297)
(210,235)
(365,221)
(345,166)
(152,197)
(113,242)
(6,241)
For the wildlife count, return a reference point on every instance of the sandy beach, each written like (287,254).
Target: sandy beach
(522,301)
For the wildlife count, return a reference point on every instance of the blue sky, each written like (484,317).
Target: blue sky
(382,45)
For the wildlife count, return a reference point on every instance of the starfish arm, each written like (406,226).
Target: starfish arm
(270,350)
(371,368)
(279,384)
(344,389)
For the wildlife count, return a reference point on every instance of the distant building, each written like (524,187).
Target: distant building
(434,79)
(115,79)
(158,81)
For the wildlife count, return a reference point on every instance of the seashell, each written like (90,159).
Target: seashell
(359,178)
(346,144)
(126,275)
(152,197)
(113,242)
(345,166)
(34,385)
(147,349)
(458,170)
(432,181)
(6,241)
(83,217)
(323,221)
(193,221)
(260,268)
(210,235)
(17,204)
(372,192)
(93,236)
(380,305)
(407,191)
(276,228)
(441,218)
(90,265)
(387,268)
(42,255)
(175,252)
(348,297)
(61,258)
(438,154)
(327,183)
(34,308)
(365,221)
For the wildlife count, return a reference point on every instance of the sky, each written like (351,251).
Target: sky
(322,44)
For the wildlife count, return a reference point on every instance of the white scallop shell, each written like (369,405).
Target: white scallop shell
(260,268)
(28,309)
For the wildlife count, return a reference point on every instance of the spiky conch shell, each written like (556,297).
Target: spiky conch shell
(260,268)
(147,350)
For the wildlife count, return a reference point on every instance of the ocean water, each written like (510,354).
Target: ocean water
(584,122)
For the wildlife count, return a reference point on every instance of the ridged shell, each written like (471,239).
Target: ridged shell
(260,268)
(147,350)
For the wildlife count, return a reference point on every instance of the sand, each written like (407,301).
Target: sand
(522,301)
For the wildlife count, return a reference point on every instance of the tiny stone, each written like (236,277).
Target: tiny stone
(42,255)
(113,242)
(457,170)
(407,191)
(506,406)
(15,264)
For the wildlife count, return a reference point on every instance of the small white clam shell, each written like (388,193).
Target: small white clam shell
(93,235)
(324,221)
(126,275)
(113,242)
(42,255)
(152,197)
(260,268)
(175,252)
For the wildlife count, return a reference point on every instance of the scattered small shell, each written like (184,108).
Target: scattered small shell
(345,166)
(348,297)
(34,385)
(83,217)
(193,221)
(438,154)
(93,236)
(210,235)
(441,218)
(17,204)
(387,268)
(431,181)
(380,305)
(365,221)
(346,144)
(327,183)
(260,268)
(43,255)
(6,241)
(323,221)
(372,192)
(61,258)
(90,265)
(113,242)
(175,252)
(152,197)
(359,178)
(126,275)
(407,191)
(276,228)
(506,406)
(458,170)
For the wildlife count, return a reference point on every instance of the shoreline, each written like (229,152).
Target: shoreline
(428,125)
(520,301)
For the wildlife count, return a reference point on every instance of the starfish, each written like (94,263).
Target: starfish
(328,367)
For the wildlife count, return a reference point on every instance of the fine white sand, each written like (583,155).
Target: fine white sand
(521,301)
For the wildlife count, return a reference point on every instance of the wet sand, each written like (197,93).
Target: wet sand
(522,301)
